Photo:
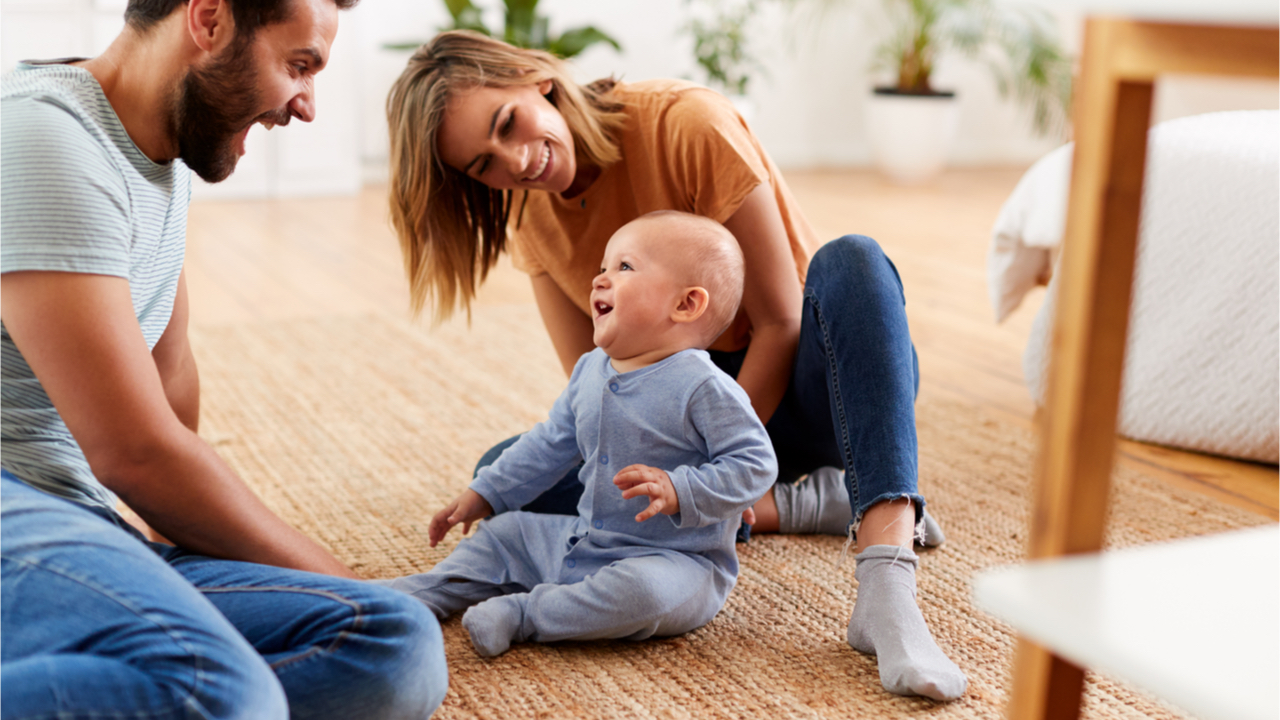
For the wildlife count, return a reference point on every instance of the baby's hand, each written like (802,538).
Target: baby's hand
(636,480)
(466,509)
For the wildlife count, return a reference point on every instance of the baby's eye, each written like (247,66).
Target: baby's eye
(602,271)
(625,266)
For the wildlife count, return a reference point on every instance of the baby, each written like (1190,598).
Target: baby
(672,455)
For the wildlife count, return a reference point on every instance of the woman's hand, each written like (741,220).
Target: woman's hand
(637,480)
(466,509)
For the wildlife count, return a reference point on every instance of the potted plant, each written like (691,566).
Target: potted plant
(524,27)
(911,123)
(718,28)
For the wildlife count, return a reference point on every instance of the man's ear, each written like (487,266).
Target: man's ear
(210,24)
(693,303)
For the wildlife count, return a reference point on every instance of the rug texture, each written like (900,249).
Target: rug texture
(357,430)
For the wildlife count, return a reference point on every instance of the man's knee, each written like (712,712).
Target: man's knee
(411,679)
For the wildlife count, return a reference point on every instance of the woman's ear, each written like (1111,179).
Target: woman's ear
(544,87)
(693,303)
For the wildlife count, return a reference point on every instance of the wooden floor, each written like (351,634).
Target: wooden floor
(272,260)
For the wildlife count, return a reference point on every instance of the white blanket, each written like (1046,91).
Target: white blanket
(1202,366)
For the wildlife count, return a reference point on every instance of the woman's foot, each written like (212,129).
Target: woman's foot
(887,623)
(819,504)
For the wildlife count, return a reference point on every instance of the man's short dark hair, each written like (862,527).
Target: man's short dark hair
(248,14)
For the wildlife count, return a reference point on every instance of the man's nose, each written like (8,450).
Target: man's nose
(303,105)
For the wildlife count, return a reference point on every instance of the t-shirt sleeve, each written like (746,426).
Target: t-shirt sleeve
(712,156)
(521,258)
(63,206)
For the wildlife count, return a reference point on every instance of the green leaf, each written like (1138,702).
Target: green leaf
(574,41)
(457,7)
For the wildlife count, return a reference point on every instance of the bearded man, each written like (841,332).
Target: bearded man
(243,616)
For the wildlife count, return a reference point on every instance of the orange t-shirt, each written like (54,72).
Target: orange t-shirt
(684,147)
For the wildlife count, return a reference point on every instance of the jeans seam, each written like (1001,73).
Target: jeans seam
(357,623)
(196,660)
(838,401)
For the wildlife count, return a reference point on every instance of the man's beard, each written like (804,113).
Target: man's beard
(215,104)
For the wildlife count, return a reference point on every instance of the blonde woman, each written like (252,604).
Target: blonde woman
(496,149)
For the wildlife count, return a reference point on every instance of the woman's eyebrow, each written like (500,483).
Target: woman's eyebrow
(493,123)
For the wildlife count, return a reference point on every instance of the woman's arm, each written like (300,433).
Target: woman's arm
(772,298)
(571,330)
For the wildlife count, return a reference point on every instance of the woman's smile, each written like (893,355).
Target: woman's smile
(509,138)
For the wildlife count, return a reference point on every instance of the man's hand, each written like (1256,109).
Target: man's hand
(466,509)
(637,480)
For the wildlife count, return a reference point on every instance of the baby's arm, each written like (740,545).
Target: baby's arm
(536,461)
(466,509)
(742,465)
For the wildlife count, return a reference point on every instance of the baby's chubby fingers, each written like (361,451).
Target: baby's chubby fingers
(655,506)
(633,475)
(637,480)
(441,523)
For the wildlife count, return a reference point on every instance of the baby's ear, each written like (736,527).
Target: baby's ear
(693,303)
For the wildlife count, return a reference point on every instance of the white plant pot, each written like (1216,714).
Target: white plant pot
(911,135)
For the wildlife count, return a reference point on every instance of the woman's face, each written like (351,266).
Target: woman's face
(509,138)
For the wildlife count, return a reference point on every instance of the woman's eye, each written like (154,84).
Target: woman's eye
(511,120)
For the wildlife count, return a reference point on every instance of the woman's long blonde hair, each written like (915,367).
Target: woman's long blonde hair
(452,227)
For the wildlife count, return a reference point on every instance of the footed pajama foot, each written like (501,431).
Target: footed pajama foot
(887,623)
(493,625)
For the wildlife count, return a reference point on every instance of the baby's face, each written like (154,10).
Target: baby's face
(635,293)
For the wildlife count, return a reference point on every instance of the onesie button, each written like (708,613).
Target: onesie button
(604,459)
(613,387)
(571,562)
(599,524)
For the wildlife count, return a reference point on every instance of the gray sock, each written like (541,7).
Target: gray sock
(819,505)
(493,625)
(887,623)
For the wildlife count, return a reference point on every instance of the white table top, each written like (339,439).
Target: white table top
(1195,622)
(1208,12)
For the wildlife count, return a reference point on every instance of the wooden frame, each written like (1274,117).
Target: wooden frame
(1120,62)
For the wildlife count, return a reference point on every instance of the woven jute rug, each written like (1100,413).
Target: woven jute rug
(357,430)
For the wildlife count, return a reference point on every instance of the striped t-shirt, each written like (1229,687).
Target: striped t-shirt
(76,195)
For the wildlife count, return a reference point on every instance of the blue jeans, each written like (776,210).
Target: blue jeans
(851,399)
(97,622)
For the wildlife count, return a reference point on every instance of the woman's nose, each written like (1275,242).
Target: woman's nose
(516,158)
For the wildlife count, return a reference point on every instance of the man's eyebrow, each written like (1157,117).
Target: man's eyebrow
(493,123)
(316,60)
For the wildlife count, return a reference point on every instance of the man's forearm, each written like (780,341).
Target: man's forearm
(189,495)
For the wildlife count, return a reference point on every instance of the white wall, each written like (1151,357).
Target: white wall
(808,106)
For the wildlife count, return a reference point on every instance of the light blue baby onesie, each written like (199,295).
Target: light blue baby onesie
(602,574)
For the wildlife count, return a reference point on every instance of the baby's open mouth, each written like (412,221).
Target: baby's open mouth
(603,309)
